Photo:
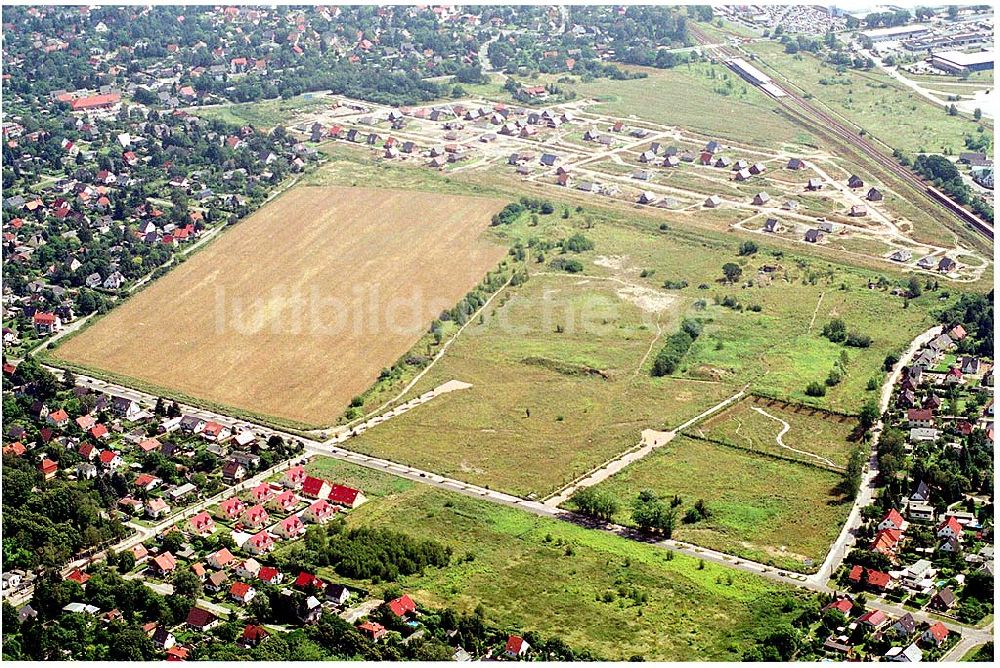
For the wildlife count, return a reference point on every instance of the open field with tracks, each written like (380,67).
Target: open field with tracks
(762,508)
(812,436)
(896,115)
(545,405)
(297,309)
(552,577)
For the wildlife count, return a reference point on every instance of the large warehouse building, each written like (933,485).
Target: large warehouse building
(960,63)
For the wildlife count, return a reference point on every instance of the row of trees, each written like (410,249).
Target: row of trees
(677,345)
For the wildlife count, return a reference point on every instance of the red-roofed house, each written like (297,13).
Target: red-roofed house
(15,449)
(150,445)
(46,323)
(58,418)
(857,571)
(85,422)
(315,488)
(230,509)
(164,563)
(844,605)
(886,541)
(319,512)
(284,502)
(110,459)
(516,646)
(294,477)
(920,417)
(260,543)
(403,606)
(253,635)
(893,520)
(106,101)
(878,580)
(373,630)
(157,508)
(78,576)
(255,517)
(48,468)
(308,581)
(957,333)
(873,618)
(242,593)
(949,528)
(220,559)
(270,575)
(146,481)
(202,524)
(261,493)
(99,432)
(290,527)
(936,633)
(346,496)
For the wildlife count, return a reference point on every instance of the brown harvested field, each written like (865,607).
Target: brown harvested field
(297,309)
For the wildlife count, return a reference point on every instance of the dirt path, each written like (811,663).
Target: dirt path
(815,311)
(784,430)
(650,440)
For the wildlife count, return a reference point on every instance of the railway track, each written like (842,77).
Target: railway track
(820,121)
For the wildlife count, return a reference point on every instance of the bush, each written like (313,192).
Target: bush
(835,330)
(675,285)
(858,340)
(748,248)
(563,264)
(507,215)
(815,389)
(577,244)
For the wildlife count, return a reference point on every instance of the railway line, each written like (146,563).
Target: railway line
(802,111)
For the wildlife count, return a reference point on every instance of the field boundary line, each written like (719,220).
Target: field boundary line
(437,356)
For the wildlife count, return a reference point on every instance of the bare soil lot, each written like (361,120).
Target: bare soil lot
(297,309)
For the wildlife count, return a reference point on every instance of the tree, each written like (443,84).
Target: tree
(598,504)
(186,583)
(748,248)
(732,271)
(977,114)
(913,287)
(650,513)
(869,415)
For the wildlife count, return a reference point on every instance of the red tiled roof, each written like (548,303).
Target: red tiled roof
(894,517)
(343,495)
(402,606)
(95,101)
(878,578)
(312,486)
(514,644)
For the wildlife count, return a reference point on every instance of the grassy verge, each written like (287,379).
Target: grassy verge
(616,597)
(774,511)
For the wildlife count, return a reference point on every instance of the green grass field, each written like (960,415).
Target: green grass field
(896,115)
(702,97)
(811,431)
(545,406)
(532,573)
(264,114)
(768,510)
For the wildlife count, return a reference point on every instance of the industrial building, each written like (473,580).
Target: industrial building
(755,76)
(896,33)
(960,63)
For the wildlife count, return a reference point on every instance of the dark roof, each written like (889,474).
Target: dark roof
(198,617)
